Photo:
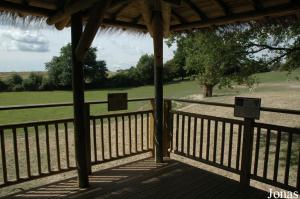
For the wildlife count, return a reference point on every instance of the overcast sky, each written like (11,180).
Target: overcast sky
(28,49)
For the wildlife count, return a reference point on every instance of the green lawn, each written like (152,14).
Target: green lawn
(175,90)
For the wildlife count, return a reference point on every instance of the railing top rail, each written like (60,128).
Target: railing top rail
(120,114)
(31,106)
(266,109)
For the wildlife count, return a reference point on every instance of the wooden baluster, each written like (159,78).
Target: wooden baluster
(298,172)
(278,140)
(109,139)
(15,143)
(201,138)
(48,148)
(195,134)
(223,143)
(188,136)
(27,152)
(208,140)
(123,136)
(3,155)
(67,144)
(129,128)
(171,129)
(95,140)
(257,147)
(117,135)
(57,147)
(135,131)
(230,145)
(215,141)
(182,133)
(288,159)
(148,129)
(266,160)
(37,142)
(177,131)
(142,132)
(238,150)
(102,139)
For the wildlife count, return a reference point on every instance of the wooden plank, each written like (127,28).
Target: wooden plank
(16,157)
(95,139)
(208,140)
(215,141)
(257,147)
(3,156)
(27,152)
(266,159)
(37,145)
(142,132)
(177,131)
(48,149)
(148,129)
(223,143)
(238,150)
(188,136)
(182,132)
(135,133)
(201,138)
(102,138)
(278,141)
(195,136)
(57,147)
(67,144)
(288,159)
(129,129)
(230,144)
(123,136)
(117,135)
(109,138)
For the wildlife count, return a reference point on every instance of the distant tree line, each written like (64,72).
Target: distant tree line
(96,75)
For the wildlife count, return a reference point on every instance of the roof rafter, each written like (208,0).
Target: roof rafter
(251,15)
(119,10)
(178,16)
(257,4)
(15,7)
(194,7)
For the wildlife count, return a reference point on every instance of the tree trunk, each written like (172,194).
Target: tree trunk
(207,90)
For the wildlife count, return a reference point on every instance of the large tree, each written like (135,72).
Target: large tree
(60,68)
(215,58)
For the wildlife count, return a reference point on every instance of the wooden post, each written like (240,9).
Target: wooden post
(88,136)
(157,27)
(247,152)
(152,126)
(78,100)
(167,128)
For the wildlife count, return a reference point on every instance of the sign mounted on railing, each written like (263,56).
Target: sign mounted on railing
(247,107)
(117,101)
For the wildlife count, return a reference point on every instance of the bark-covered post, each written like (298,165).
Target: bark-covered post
(167,128)
(157,28)
(78,100)
(247,151)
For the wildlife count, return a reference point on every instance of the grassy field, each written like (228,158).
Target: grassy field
(24,75)
(269,82)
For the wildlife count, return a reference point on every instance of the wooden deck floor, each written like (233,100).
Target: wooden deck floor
(145,179)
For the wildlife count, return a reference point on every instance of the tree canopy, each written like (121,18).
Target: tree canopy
(60,68)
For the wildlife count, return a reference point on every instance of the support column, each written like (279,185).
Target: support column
(78,100)
(157,27)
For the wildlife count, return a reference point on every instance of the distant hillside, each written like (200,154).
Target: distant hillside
(5,75)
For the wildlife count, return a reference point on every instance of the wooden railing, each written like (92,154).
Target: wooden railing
(268,153)
(38,149)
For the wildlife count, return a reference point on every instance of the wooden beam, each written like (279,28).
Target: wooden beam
(157,27)
(223,6)
(26,9)
(194,7)
(66,12)
(257,4)
(251,15)
(42,4)
(91,28)
(173,2)
(119,10)
(146,14)
(122,24)
(62,24)
(78,101)
(136,19)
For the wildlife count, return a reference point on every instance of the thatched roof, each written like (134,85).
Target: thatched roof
(178,15)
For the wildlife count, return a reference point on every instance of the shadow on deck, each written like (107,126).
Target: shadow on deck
(145,179)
